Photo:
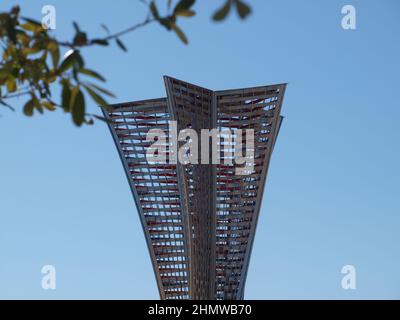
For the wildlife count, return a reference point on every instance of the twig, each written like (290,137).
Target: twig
(130,29)
(15,95)
(115,35)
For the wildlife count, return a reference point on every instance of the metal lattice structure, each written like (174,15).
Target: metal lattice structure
(199,220)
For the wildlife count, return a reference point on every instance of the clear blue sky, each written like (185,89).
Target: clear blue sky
(332,195)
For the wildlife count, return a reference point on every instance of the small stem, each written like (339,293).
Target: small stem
(15,95)
(115,35)
(130,29)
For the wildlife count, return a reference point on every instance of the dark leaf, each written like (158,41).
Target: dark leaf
(166,23)
(76,27)
(184,5)
(95,96)
(101,42)
(49,105)
(79,59)
(102,90)
(105,28)
(74,93)
(28,108)
(37,104)
(121,45)
(4,74)
(78,108)
(35,22)
(31,27)
(80,39)
(65,95)
(185,13)
(243,9)
(11,31)
(92,74)
(180,33)
(154,10)
(68,61)
(72,58)
(222,12)
(54,52)
(15,10)
(11,85)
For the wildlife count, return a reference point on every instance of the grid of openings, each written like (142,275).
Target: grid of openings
(192,107)
(156,186)
(237,195)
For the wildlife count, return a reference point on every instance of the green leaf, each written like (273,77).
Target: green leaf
(71,58)
(74,93)
(31,27)
(32,21)
(222,12)
(92,74)
(121,45)
(183,5)
(95,96)
(185,13)
(243,9)
(49,105)
(28,108)
(65,95)
(38,105)
(8,25)
(4,74)
(179,33)
(33,50)
(11,85)
(154,10)
(102,90)
(78,108)
(55,52)
(166,23)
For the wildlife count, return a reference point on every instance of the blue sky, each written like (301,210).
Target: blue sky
(332,195)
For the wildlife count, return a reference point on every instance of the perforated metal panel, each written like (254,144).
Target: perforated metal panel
(199,220)
(238,197)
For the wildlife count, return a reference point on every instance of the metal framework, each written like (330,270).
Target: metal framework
(199,220)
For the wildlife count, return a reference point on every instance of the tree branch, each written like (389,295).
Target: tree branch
(115,35)
(15,95)
(130,29)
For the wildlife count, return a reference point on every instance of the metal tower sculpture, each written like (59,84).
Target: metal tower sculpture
(199,220)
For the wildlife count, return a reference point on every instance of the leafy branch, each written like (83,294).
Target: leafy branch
(31,64)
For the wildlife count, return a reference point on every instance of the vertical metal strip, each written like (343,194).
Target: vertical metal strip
(264,172)
(182,186)
(138,206)
(213,204)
